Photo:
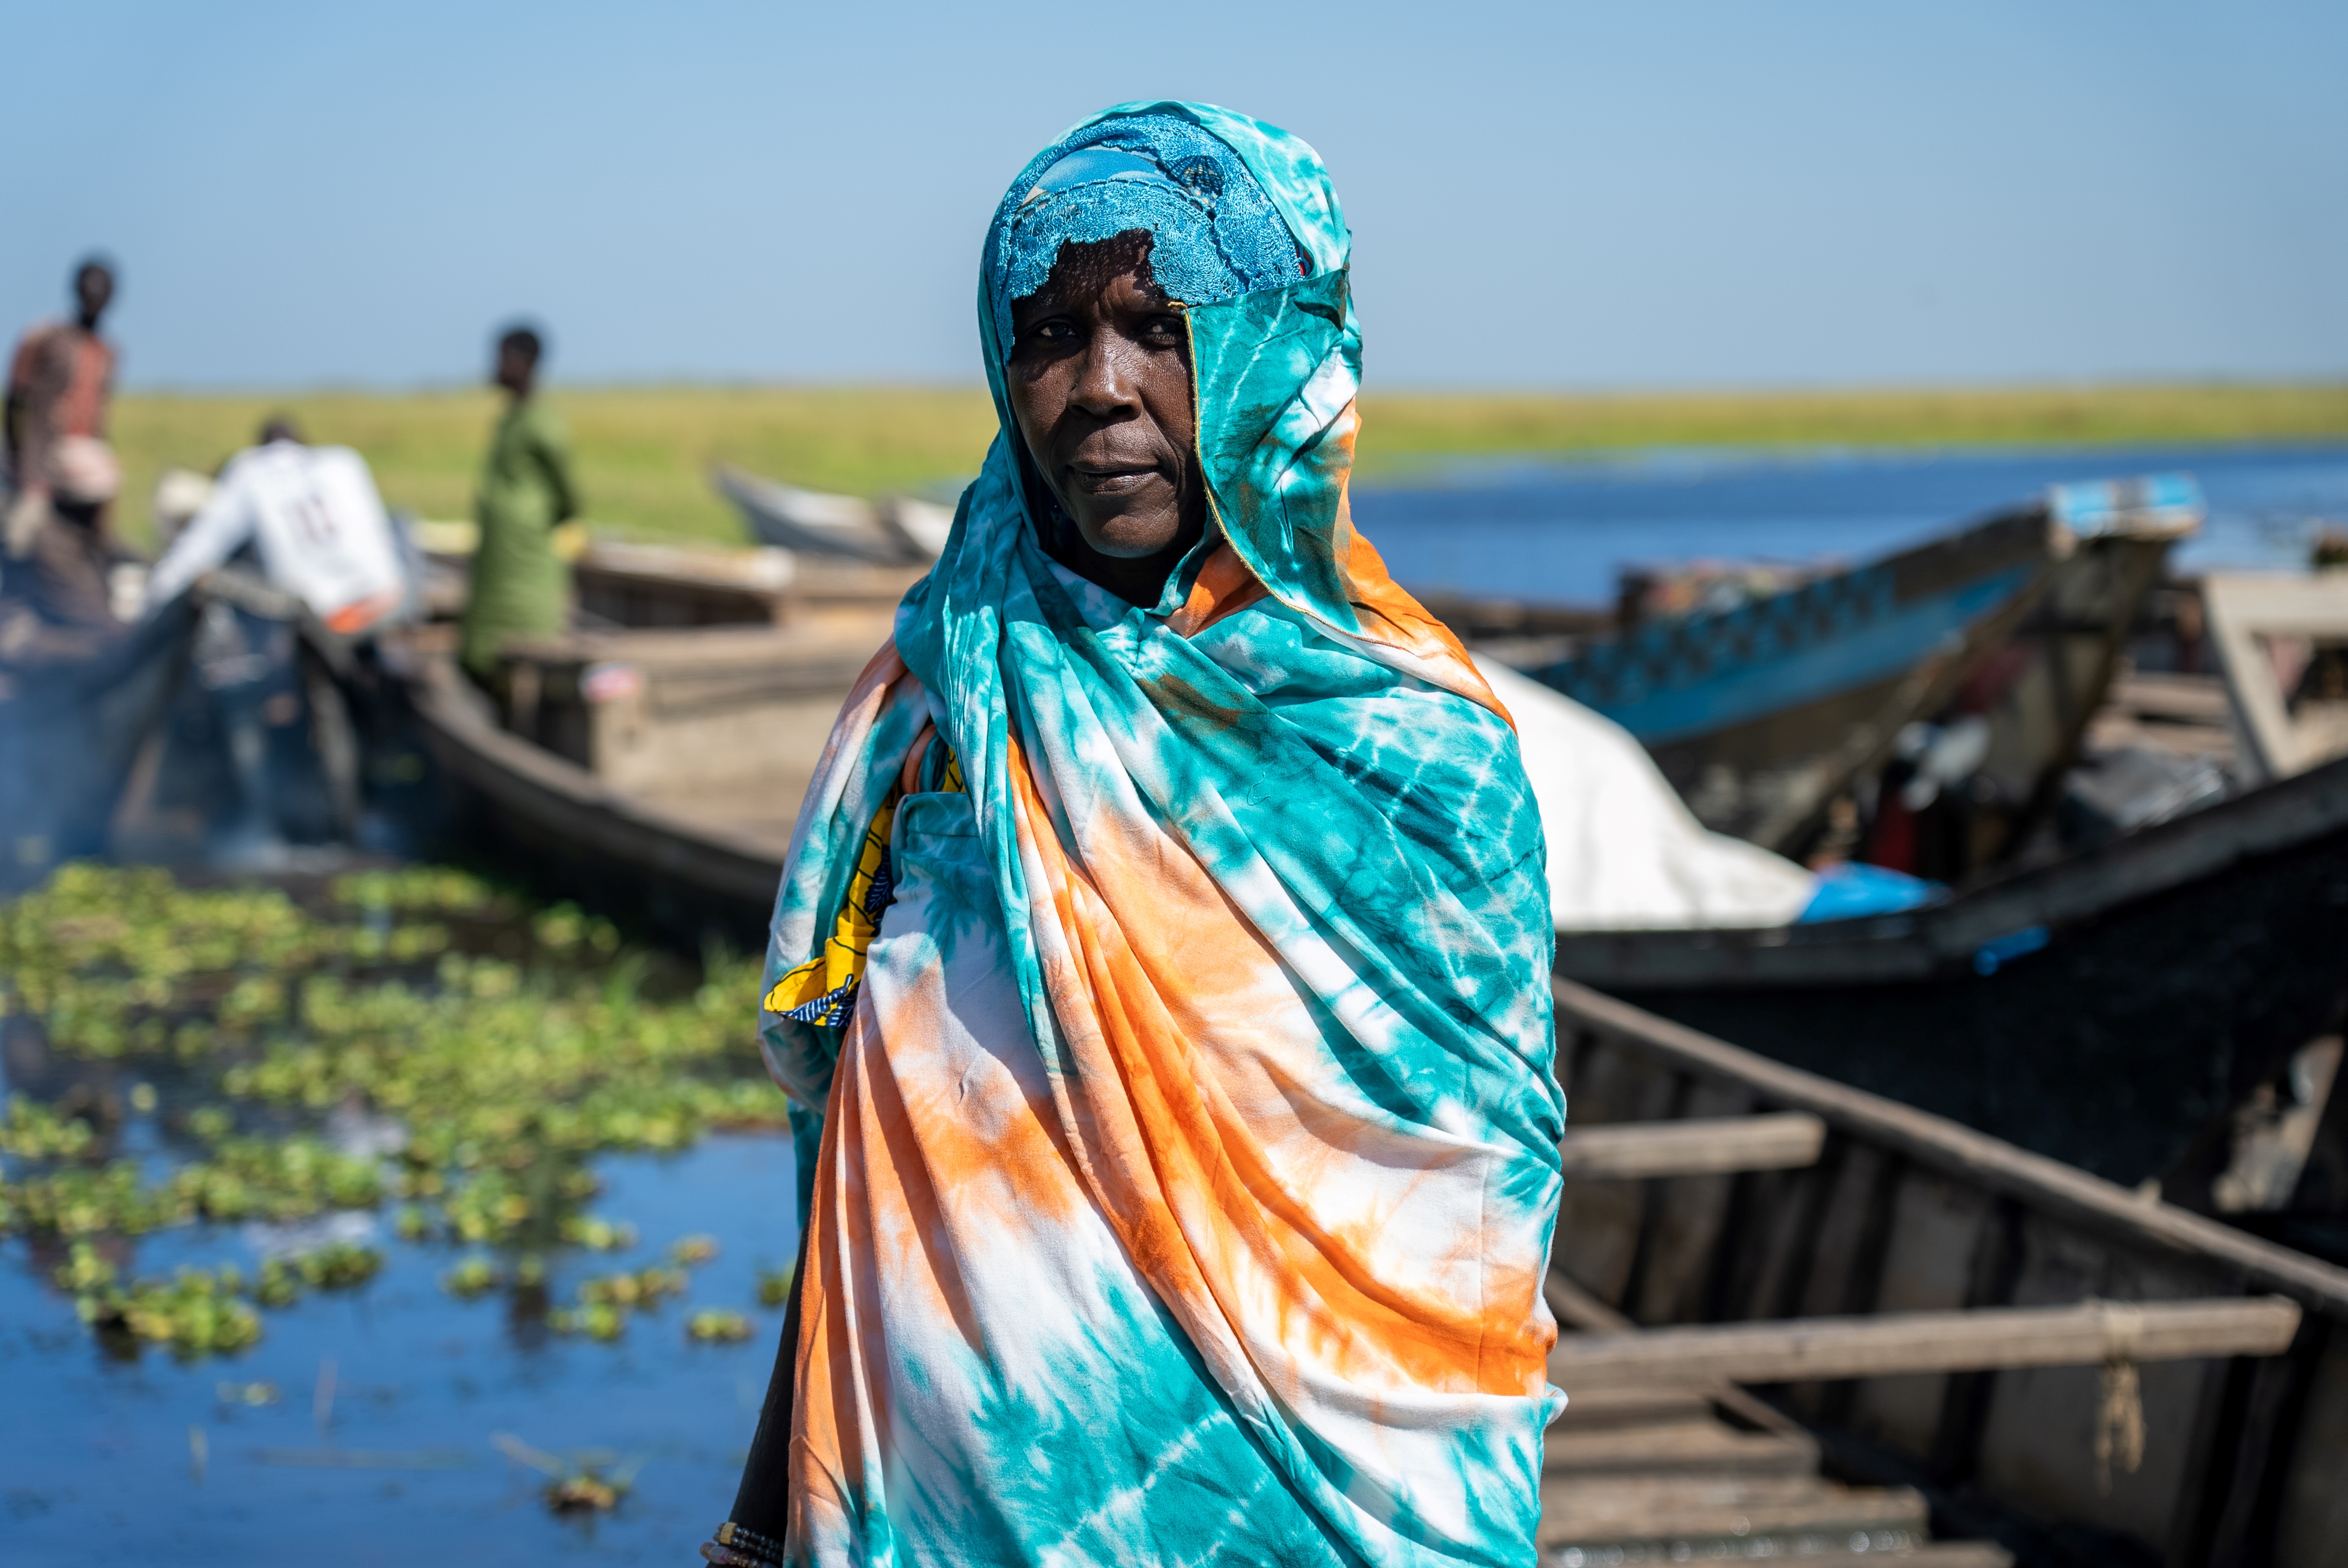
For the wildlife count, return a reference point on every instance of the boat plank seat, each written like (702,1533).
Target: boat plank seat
(1706,1445)
(1604,1409)
(1630,1471)
(1778,1140)
(1935,1309)
(1893,1344)
(1801,1515)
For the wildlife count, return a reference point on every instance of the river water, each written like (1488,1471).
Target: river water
(1554,532)
(400,1466)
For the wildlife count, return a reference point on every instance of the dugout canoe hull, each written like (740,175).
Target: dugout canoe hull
(1761,713)
(697,861)
(654,769)
(2238,1457)
(2158,979)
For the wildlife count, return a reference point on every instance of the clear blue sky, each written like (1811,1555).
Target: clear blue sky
(1713,193)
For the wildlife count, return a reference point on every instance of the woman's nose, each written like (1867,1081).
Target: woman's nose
(1105,375)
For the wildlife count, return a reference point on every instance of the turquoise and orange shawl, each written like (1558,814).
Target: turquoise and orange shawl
(1187,1159)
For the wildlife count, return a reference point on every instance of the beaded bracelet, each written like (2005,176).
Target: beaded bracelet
(733,1557)
(738,1548)
(732,1534)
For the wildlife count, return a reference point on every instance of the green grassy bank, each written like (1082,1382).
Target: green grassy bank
(643,451)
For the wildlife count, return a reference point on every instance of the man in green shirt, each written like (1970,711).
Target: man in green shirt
(519,587)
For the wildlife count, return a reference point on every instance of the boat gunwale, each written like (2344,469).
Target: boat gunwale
(648,837)
(1937,937)
(2058,1190)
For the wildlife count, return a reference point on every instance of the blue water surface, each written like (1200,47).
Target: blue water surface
(1558,532)
(96,1461)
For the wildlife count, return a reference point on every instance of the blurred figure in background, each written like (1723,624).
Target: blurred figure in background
(62,473)
(313,516)
(520,587)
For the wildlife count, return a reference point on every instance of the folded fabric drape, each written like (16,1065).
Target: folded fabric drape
(1181,1176)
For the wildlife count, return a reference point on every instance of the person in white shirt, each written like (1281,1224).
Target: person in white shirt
(314,517)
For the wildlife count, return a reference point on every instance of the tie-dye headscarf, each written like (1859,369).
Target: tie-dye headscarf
(1187,1165)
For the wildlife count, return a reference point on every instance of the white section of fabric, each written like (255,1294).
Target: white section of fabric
(314,511)
(1625,851)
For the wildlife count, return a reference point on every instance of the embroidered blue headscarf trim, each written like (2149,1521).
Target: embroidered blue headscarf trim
(1215,233)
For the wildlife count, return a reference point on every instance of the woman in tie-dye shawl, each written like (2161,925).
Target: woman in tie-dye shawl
(1171,978)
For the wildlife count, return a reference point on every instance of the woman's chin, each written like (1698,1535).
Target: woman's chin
(1126,537)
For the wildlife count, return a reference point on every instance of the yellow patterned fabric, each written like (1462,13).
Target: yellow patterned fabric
(823,989)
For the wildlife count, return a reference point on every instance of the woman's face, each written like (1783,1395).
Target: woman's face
(1101,383)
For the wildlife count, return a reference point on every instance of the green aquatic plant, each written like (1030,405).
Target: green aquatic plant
(643,1287)
(436,889)
(774,1286)
(483,1085)
(339,1265)
(597,1320)
(582,1484)
(280,1286)
(474,1275)
(717,1326)
(197,1313)
(34,1132)
(83,1272)
(564,927)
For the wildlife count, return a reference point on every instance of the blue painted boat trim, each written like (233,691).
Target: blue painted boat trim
(1858,656)
(2101,506)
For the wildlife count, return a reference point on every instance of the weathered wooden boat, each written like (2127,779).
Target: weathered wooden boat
(2167,967)
(1804,1320)
(2282,640)
(621,584)
(893,530)
(655,773)
(645,587)
(1763,712)
(656,768)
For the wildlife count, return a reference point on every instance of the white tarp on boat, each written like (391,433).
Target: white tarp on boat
(1624,852)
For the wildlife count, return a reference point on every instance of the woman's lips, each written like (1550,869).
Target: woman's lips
(1116,481)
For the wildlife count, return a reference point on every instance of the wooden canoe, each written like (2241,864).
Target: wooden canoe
(655,770)
(698,860)
(1969,1336)
(2158,979)
(1761,712)
(893,530)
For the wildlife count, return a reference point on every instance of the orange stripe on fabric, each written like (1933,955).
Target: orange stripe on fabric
(1186,1183)
(1223,587)
(826,1475)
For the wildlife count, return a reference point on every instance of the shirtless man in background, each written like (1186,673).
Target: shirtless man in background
(63,474)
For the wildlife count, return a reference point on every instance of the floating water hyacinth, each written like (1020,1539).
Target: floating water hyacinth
(196,1312)
(473,1277)
(774,1286)
(582,1483)
(354,1050)
(717,1326)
